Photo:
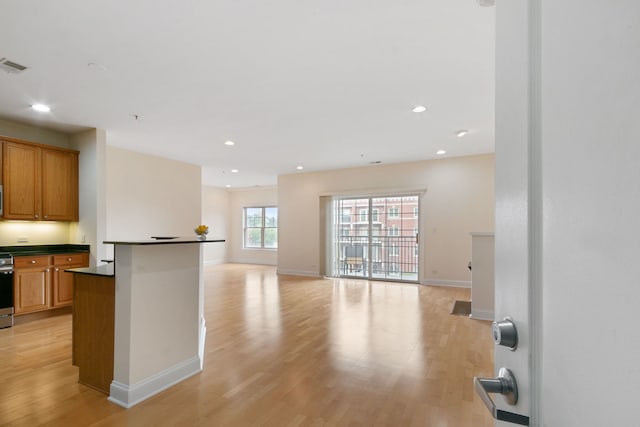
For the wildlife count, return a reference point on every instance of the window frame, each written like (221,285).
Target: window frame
(262,228)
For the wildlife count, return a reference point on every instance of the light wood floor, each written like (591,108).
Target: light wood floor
(280,351)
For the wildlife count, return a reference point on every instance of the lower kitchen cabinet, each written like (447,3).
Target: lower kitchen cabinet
(32,290)
(40,282)
(63,281)
(32,284)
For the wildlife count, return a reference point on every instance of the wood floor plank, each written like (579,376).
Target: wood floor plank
(280,351)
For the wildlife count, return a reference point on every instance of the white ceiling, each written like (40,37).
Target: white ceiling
(325,84)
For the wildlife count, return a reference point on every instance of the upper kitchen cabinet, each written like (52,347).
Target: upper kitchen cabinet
(40,182)
(59,185)
(21,181)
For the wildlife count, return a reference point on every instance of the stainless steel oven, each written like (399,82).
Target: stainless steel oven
(6,290)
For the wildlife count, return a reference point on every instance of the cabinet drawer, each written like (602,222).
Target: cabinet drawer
(71,259)
(31,261)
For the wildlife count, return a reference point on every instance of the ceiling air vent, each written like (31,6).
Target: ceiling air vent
(10,66)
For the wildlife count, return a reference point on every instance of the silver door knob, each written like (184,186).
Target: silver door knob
(505,333)
(504,384)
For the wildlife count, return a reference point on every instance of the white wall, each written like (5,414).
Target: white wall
(459,199)
(150,196)
(91,227)
(34,134)
(215,214)
(239,199)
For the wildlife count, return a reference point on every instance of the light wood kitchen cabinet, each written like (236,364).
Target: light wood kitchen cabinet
(59,185)
(63,281)
(21,181)
(40,182)
(93,330)
(40,282)
(32,284)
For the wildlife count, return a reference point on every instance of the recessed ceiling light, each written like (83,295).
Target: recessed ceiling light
(96,66)
(441,152)
(229,143)
(486,3)
(419,109)
(41,107)
(234,171)
(299,167)
(228,185)
(461,133)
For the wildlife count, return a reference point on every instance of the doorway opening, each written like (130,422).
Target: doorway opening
(377,238)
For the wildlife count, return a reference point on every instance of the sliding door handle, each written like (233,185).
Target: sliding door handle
(504,384)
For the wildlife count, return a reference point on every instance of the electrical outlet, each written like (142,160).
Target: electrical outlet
(23,239)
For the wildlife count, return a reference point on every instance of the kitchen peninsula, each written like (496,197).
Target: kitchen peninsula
(156,291)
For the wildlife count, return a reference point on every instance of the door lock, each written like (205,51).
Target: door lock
(505,333)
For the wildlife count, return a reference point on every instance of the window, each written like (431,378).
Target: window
(394,212)
(394,250)
(415,212)
(394,230)
(374,215)
(346,215)
(261,227)
(363,215)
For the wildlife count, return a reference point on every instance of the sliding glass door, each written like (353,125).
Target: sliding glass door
(376,237)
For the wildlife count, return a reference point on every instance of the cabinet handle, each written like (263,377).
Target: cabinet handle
(36,216)
(68,259)
(47,270)
(33,261)
(46,216)
(57,269)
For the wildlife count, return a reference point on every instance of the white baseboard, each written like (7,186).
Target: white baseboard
(130,395)
(251,261)
(481,314)
(451,283)
(215,261)
(298,273)
(203,337)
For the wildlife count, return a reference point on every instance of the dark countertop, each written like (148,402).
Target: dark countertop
(166,241)
(101,270)
(26,250)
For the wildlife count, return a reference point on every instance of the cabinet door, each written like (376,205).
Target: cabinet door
(59,185)
(63,281)
(62,287)
(21,180)
(32,290)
